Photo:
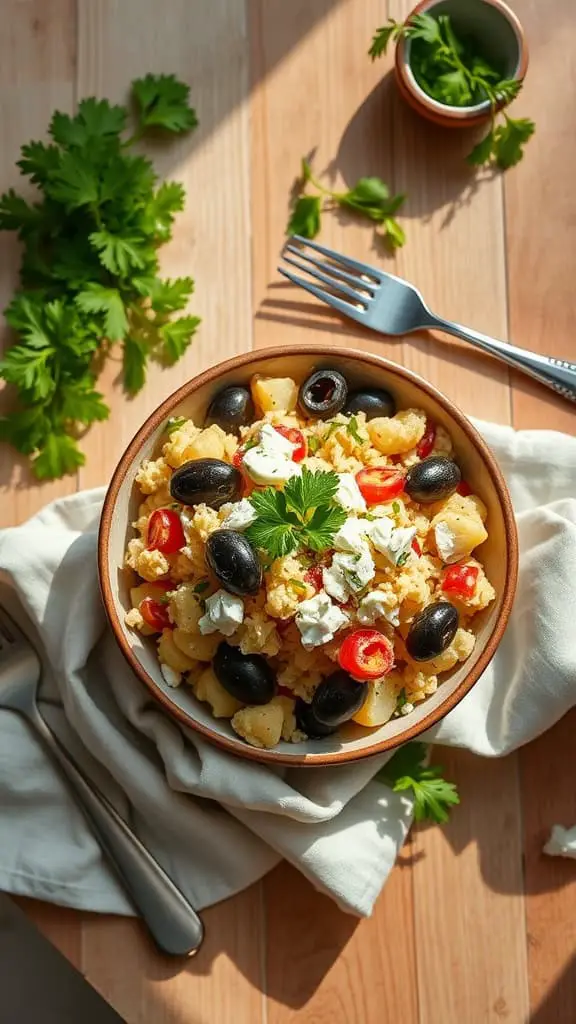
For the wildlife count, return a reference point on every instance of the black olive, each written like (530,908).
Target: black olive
(231,409)
(337,698)
(210,481)
(248,677)
(306,721)
(234,562)
(432,631)
(323,394)
(432,479)
(371,401)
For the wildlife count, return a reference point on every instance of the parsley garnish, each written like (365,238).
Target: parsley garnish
(396,508)
(433,795)
(303,515)
(369,198)
(89,269)
(403,559)
(352,429)
(454,72)
(334,426)
(174,423)
(401,700)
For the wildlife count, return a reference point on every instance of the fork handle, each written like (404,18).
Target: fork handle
(172,921)
(558,374)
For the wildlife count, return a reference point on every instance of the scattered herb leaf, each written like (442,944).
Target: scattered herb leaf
(314,445)
(174,423)
(352,429)
(88,274)
(433,795)
(201,586)
(396,508)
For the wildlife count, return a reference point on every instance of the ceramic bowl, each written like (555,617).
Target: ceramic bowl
(499,552)
(501,39)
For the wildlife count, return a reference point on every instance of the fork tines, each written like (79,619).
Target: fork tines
(350,285)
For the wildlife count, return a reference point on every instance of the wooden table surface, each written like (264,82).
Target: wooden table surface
(475,924)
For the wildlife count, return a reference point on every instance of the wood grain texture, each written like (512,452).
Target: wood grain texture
(474,925)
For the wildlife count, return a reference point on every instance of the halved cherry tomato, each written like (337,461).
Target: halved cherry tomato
(165,531)
(416,547)
(460,580)
(366,654)
(314,577)
(463,489)
(295,437)
(378,483)
(426,443)
(155,614)
(284,691)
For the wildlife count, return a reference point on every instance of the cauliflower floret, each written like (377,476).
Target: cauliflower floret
(459,650)
(260,726)
(135,548)
(154,475)
(257,635)
(152,565)
(442,442)
(418,683)
(176,449)
(393,435)
(204,521)
(286,587)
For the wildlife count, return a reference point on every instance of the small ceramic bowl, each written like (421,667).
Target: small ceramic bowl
(498,553)
(500,37)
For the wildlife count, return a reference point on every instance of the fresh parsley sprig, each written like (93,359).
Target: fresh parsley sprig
(369,198)
(89,270)
(407,771)
(303,515)
(453,72)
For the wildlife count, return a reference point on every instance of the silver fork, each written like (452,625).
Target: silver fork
(390,305)
(172,922)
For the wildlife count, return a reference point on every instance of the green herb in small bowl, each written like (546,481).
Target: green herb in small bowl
(459,63)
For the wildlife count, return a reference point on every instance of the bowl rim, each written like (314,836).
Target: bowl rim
(314,351)
(478,111)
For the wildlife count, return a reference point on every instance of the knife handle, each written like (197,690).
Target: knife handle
(173,923)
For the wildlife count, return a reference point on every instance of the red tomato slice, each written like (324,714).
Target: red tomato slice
(314,577)
(463,489)
(460,580)
(378,483)
(165,531)
(426,444)
(416,547)
(296,437)
(366,654)
(155,614)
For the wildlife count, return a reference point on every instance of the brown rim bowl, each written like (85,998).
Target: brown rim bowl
(501,38)
(499,553)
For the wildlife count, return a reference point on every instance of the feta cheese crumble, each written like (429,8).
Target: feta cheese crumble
(270,461)
(318,619)
(239,515)
(170,677)
(348,574)
(224,613)
(562,842)
(348,494)
(445,541)
(377,605)
(352,536)
(394,542)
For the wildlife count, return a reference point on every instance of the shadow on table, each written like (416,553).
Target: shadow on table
(557,1007)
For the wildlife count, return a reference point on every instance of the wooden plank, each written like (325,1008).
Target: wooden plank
(540,209)
(326,966)
(204,44)
(469,908)
(542,266)
(548,799)
(36,77)
(222,983)
(60,925)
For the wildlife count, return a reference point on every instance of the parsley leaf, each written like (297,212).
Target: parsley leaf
(162,102)
(305,218)
(384,35)
(89,270)
(303,515)
(509,140)
(96,298)
(176,336)
(407,771)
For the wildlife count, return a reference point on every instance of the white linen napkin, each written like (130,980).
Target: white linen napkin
(218,823)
